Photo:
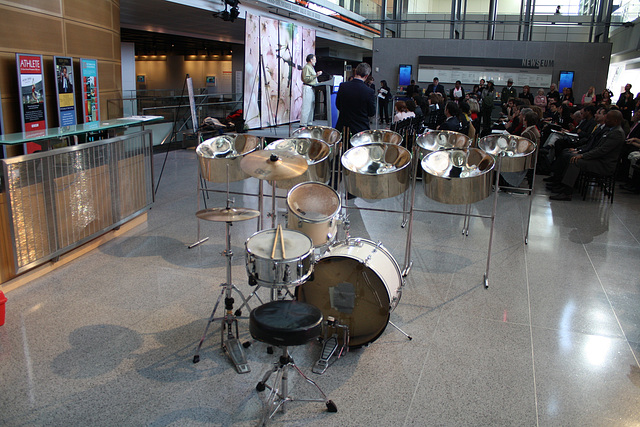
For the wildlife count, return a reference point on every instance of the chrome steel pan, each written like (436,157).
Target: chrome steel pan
(315,151)
(441,140)
(376,136)
(324,133)
(458,176)
(216,153)
(376,171)
(517,152)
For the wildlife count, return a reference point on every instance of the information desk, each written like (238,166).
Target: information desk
(46,136)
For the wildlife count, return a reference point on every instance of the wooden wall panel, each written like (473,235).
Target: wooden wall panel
(44,6)
(96,12)
(45,32)
(88,42)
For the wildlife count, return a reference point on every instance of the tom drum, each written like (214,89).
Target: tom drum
(313,209)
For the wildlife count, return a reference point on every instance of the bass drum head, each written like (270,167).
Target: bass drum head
(352,293)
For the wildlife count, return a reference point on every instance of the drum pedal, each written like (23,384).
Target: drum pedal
(233,348)
(328,349)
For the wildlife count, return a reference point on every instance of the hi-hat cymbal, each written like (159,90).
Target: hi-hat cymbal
(274,165)
(227,214)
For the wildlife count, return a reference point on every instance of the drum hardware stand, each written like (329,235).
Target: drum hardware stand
(366,279)
(231,345)
(331,345)
(467,220)
(409,337)
(279,391)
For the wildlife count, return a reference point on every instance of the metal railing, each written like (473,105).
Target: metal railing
(59,199)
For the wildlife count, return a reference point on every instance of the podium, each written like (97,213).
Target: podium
(326,99)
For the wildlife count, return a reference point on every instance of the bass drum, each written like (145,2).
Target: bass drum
(358,283)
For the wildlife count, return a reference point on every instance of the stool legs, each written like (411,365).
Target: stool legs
(279,391)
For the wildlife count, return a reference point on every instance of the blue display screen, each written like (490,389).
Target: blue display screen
(404,78)
(566,80)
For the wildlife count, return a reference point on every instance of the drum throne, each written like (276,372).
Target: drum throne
(285,323)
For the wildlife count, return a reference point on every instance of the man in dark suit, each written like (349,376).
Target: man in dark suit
(356,102)
(436,87)
(64,82)
(601,159)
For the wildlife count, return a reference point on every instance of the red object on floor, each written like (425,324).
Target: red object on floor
(3,299)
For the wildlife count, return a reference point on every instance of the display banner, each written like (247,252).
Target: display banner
(89,79)
(64,88)
(1,119)
(31,84)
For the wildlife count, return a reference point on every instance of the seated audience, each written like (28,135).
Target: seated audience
(601,159)
(526,94)
(452,122)
(402,112)
(540,100)
(590,96)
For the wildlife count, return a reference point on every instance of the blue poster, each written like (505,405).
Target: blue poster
(89,82)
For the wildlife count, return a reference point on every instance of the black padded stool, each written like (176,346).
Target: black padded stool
(285,323)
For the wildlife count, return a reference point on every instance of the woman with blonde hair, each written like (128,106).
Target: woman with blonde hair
(589,97)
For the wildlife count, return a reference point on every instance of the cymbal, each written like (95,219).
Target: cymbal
(273,165)
(227,214)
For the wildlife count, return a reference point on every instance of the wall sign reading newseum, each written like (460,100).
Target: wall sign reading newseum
(64,88)
(89,81)
(31,83)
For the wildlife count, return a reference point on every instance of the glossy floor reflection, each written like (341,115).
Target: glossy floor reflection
(555,340)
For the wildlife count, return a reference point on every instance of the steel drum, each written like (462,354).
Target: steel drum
(458,176)
(376,136)
(215,154)
(376,171)
(316,153)
(331,136)
(516,151)
(441,140)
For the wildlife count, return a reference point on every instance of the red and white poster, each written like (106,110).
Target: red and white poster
(31,84)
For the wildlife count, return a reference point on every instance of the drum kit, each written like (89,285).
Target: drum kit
(355,282)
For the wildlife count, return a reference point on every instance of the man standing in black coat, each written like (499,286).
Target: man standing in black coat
(356,102)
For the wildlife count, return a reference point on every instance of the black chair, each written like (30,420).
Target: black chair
(606,184)
(285,323)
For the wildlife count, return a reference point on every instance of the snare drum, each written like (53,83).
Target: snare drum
(358,283)
(313,209)
(293,270)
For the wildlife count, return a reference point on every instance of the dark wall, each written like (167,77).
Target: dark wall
(590,61)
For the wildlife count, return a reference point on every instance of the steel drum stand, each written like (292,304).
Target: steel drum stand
(404,212)
(467,215)
(528,191)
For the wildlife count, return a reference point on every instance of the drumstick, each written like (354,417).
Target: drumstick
(275,243)
(284,255)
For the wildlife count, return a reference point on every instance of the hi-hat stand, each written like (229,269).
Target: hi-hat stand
(229,334)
